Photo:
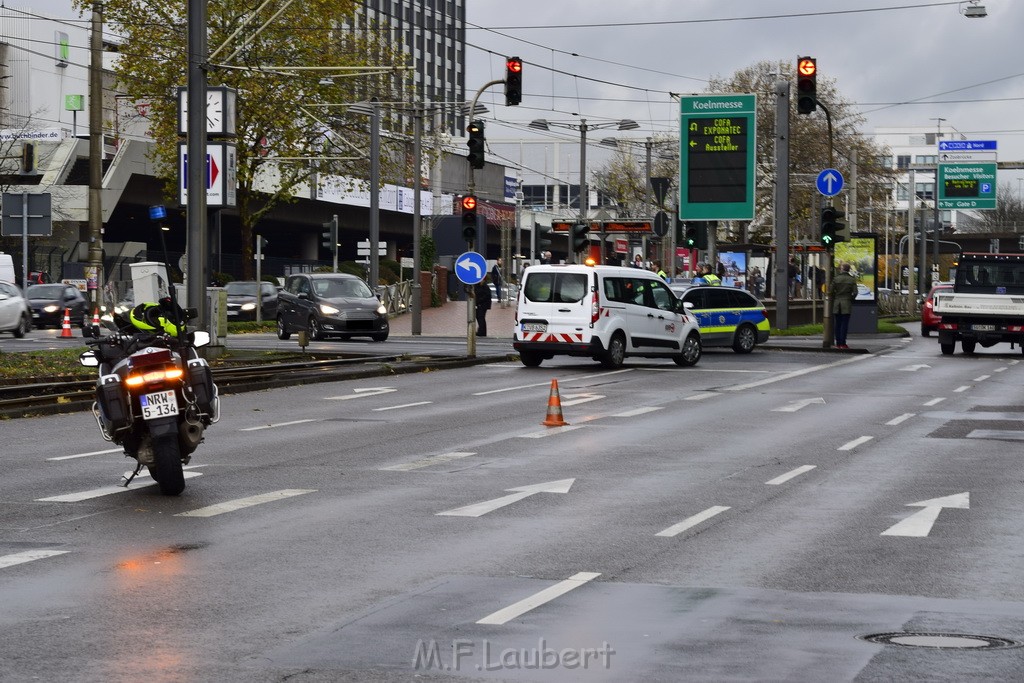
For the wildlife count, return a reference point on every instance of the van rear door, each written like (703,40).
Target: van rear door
(555,302)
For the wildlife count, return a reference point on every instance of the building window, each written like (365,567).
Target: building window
(926,159)
(903,161)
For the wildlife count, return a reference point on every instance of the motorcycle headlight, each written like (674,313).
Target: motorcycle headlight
(329,310)
(248,307)
(51,308)
(381,310)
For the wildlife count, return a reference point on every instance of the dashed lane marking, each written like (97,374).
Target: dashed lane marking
(108,490)
(240,503)
(547,384)
(783,478)
(520,608)
(693,521)
(427,462)
(961,389)
(404,405)
(28,556)
(900,418)
(276,424)
(638,411)
(850,445)
(86,455)
(550,431)
(935,401)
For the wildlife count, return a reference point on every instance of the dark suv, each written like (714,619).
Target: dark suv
(330,304)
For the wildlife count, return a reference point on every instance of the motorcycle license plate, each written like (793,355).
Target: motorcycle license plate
(158,404)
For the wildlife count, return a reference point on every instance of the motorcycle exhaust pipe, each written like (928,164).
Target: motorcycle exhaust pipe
(190,435)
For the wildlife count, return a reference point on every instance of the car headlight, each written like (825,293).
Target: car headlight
(381,310)
(50,309)
(248,307)
(329,310)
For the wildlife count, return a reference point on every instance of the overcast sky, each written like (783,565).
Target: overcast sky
(609,59)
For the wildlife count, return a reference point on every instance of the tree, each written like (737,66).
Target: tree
(624,176)
(290,122)
(1008,216)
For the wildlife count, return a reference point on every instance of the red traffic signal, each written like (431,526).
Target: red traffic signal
(469,220)
(513,81)
(469,203)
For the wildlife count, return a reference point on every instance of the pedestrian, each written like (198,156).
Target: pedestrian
(659,270)
(844,291)
(699,277)
(638,261)
(757,282)
(483,304)
(496,277)
(792,271)
(710,278)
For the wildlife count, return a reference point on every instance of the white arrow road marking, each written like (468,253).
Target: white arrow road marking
(682,526)
(920,523)
(238,504)
(576,399)
(900,418)
(914,368)
(363,393)
(850,445)
(86,455)
(637,411)
(999,434)
(427,462)
(506,614)
(276,424)
(935,401)
(468,263)
(28,556)
(783,478)
(404,405)
(108,490)
(794,406)
(521,492)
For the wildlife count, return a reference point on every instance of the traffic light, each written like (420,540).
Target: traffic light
(842,228)
(469,218)
(542,237)
(28,158)
(578,235)
(513,81)
(476,144)
(806,85)
(696,236)
(330,234)
(829,226)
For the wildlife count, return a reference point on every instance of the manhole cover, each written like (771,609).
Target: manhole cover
(960,641)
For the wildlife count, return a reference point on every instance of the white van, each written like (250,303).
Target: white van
(602,312)
(6,268)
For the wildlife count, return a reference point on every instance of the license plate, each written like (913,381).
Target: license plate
(984,328)
(534,327)
(232,312)
(158,404)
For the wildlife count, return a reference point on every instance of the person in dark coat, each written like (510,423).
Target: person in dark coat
(483,304)
(844,291)
(496,277)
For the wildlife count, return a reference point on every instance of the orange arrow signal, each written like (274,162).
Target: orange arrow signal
(807,67)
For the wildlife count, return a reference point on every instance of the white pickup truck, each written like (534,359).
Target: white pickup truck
(986,304)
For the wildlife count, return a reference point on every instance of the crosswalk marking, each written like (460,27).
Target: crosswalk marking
(107,490)
(427,462)
(27,556)
(238,504)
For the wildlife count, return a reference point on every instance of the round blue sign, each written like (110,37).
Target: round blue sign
(470,268)
(830,182)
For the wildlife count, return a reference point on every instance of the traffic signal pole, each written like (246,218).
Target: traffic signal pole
(827,329)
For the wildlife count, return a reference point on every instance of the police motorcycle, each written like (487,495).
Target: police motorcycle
(154,395)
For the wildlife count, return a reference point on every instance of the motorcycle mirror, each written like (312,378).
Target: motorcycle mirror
(89,359)
(200,338)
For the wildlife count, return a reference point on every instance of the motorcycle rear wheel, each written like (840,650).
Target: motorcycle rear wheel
(167,470)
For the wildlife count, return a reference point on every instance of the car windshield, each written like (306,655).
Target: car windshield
(44,292)
(342,288)
(241,288)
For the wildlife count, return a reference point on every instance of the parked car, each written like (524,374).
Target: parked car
(930,321)
(48,302)
(242,299)
(15,316)
(728,316)
(330,304)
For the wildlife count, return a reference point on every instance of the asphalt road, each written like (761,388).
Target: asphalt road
(751,518)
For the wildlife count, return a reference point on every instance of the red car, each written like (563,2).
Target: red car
(930,321)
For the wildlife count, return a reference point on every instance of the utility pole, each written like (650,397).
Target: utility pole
(780,283)
(95,275)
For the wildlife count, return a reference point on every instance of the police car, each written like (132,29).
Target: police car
(727,316)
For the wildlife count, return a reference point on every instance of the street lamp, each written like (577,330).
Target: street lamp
(372,108)
(583,127)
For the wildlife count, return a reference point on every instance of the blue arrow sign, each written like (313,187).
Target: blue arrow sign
(829,182)
(470,268)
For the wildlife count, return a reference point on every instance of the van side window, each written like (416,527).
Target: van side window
(664,299)
(615,289)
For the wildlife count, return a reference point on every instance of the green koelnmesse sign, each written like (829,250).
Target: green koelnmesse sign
(717,141)
(967,185)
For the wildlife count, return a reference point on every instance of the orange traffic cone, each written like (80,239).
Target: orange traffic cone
(554,418)
(65,328)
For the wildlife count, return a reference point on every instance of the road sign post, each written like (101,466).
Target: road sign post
(716,157)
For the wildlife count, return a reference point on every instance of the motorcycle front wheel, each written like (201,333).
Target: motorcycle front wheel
(167,470)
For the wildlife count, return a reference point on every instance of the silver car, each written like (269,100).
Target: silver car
(15,316)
